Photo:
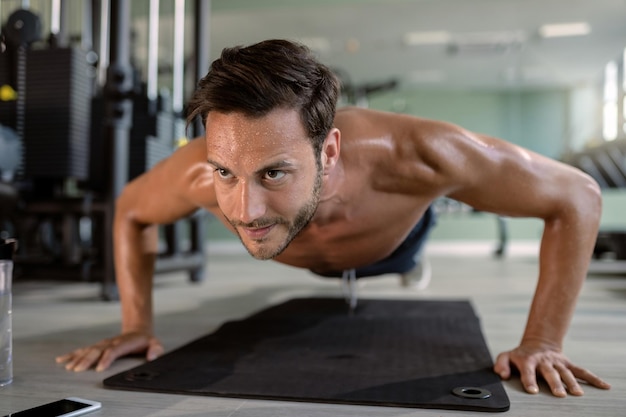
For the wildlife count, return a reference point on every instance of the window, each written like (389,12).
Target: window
(610,114)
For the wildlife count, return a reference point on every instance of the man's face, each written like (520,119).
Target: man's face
(267,181)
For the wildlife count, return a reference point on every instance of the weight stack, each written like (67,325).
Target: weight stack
(59,87)
(7,107)
(10,143)
(151,137)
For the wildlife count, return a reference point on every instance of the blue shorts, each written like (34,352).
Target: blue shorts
(404,258)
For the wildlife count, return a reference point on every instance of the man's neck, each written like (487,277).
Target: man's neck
(332,202)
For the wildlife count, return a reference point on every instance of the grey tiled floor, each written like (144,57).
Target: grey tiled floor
(52,317)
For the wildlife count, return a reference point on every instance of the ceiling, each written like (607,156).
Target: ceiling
(490,44)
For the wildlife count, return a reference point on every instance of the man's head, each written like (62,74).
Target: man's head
(268,75)
(269,110)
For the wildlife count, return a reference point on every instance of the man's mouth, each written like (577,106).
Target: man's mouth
(257,233)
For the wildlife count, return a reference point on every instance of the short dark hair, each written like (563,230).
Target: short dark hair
(265,76)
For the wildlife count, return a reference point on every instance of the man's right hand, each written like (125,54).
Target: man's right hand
(102,354)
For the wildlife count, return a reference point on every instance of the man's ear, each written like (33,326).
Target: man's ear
(330,150)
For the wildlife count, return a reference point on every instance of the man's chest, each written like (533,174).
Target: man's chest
(362,239)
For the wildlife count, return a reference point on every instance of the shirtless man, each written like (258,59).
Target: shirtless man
(334,192)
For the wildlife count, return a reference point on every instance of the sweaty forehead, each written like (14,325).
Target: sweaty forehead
(281,128)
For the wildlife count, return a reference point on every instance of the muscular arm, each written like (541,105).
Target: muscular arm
(165,194)
(496,176)
(430,159)
(171,190)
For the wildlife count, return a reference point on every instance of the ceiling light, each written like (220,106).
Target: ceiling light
(486,43)
(427,38)
(565,29)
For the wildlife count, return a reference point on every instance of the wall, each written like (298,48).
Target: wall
(537,120)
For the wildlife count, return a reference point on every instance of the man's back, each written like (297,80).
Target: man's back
(372,200)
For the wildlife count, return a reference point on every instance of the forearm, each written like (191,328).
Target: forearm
(135,252)
(566,249)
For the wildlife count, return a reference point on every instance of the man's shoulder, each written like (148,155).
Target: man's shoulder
(194,148)
(419,153)
(398,130)
(375,119)
(182,171)
(350,114)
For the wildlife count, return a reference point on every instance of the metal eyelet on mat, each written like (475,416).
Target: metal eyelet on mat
(140,376)
(474,393)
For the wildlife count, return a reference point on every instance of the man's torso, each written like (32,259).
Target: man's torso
(379,200)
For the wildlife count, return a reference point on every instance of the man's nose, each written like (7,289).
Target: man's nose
(251,202)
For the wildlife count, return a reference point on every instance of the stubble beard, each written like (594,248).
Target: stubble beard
(300,221)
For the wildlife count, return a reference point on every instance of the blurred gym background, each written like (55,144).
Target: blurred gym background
(92,94)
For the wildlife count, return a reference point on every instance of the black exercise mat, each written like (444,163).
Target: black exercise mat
(426,354)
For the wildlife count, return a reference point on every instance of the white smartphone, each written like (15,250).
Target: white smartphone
(67,407)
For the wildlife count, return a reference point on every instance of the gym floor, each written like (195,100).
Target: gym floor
(52,318)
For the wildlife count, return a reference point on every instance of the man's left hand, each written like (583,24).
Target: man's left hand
(561,375)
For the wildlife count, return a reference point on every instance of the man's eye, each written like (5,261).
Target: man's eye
(223,173)
(274,174)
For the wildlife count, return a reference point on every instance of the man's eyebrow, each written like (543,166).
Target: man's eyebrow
(276,165)
(212,162)
(269,167)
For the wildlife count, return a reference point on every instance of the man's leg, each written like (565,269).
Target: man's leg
(407,260)
(419,276)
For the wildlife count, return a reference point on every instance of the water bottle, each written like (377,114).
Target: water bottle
(7,248)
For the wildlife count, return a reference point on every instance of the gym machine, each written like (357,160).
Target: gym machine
(76,124)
